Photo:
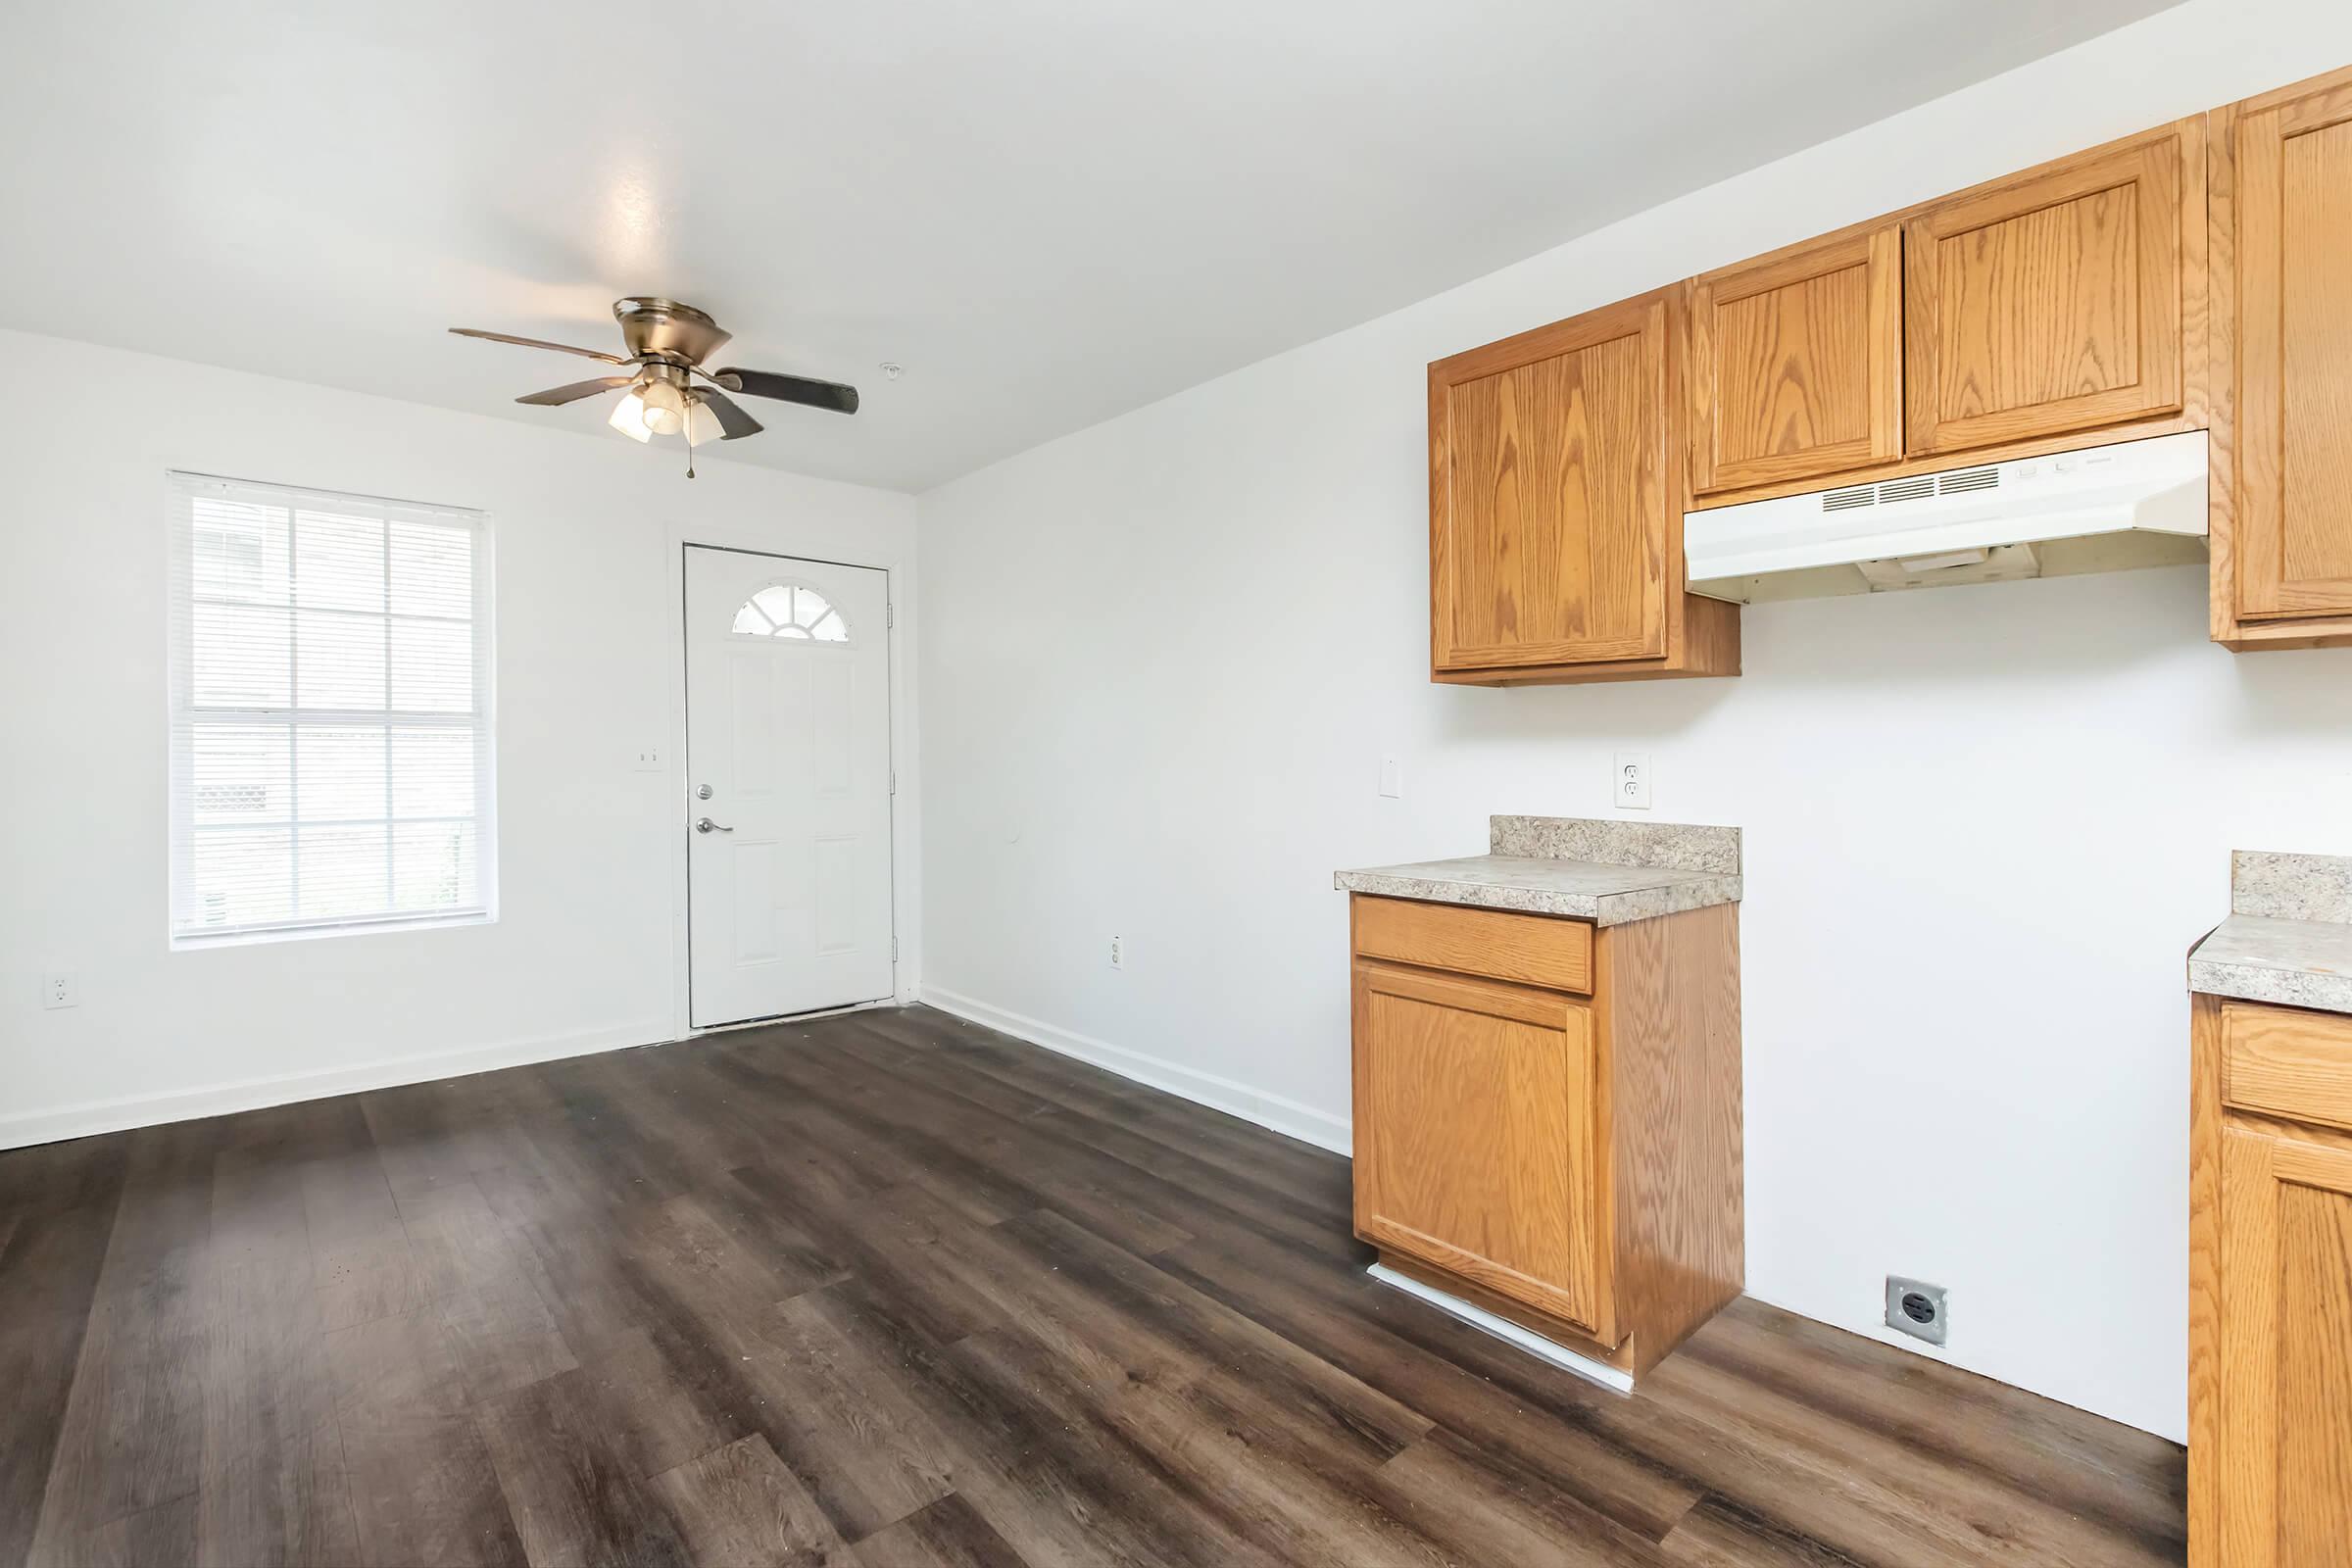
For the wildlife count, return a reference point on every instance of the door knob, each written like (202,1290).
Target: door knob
(706,825)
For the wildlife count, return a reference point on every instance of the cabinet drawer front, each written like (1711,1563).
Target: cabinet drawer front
(2287,1064)
(1536,949)
(1475,1143)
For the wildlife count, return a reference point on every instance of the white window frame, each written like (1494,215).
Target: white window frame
(184,488)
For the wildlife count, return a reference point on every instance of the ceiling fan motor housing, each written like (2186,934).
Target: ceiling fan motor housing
(665,329)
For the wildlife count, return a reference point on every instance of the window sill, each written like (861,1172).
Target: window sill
(252,936)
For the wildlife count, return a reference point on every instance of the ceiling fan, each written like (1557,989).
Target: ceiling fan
(670,393)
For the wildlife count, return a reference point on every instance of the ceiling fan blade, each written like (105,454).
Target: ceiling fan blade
(790,389)
(538,343)
(556,395)
(732,421)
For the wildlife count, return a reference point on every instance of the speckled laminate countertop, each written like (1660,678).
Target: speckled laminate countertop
(2288,938)
(1606,872)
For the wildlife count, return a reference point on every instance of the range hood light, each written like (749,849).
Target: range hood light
(1949,557)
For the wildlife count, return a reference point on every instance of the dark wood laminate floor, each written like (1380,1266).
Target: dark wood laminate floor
(890,1289)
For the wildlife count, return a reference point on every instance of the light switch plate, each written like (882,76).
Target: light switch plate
(1629,781)
(1392,777)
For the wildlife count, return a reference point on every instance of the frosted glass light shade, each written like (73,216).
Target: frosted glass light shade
(664,408)
(628,418)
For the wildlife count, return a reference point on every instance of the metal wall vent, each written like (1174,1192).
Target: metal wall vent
(1918,487)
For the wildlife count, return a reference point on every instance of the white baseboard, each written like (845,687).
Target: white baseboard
(1286,1116)
(254,1094)
(1503,1328)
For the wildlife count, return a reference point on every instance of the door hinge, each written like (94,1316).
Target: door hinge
(894,781)
(890,615)
(893,950)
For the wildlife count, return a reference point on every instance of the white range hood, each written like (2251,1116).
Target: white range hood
(2102,509)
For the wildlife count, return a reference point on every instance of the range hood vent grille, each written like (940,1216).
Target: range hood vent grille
(1917,487)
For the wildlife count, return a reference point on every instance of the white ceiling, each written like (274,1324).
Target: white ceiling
(1048,210)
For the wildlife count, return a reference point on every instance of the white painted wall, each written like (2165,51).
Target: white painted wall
(1162,658)
(588,950)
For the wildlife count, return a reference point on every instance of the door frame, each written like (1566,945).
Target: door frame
(905,825)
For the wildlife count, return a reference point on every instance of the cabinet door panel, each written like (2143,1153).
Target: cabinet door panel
(1475,1137)
(1549,530)
(1796,364)
(2295,479)
(2286,1465)
(2052,302)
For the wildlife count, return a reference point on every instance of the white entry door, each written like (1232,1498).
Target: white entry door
(788,784)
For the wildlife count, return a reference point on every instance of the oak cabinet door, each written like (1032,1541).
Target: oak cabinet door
(2293,267)
(1796,364)
(1549,524)
(2053,301)
(1475,1137)
(2286,1308)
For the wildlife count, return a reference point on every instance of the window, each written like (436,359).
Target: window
(791,610)
(330,713)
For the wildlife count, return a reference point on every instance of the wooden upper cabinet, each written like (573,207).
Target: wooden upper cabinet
(2284,533)
(1555,506)
(2057,300)
(1796,363)
(1475,1137)
(1548,492)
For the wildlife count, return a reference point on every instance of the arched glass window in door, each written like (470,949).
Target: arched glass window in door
(793,612)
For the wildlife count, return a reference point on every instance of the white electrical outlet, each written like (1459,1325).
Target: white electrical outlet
(1392,777)
(58,990)
(649,759)
(1118,952)
(1629,781)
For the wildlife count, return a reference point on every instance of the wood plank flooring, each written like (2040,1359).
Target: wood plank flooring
(888,1291)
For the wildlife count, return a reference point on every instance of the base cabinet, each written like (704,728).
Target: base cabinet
(1547,1116)
(2271,1327)
(1479,1120)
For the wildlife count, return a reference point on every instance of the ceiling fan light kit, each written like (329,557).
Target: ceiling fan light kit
(669,344)
(628,418)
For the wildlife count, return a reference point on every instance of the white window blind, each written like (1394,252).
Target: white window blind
(332,743)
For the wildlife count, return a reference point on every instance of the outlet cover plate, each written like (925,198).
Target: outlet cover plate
(1629,781)
(1906,1300)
